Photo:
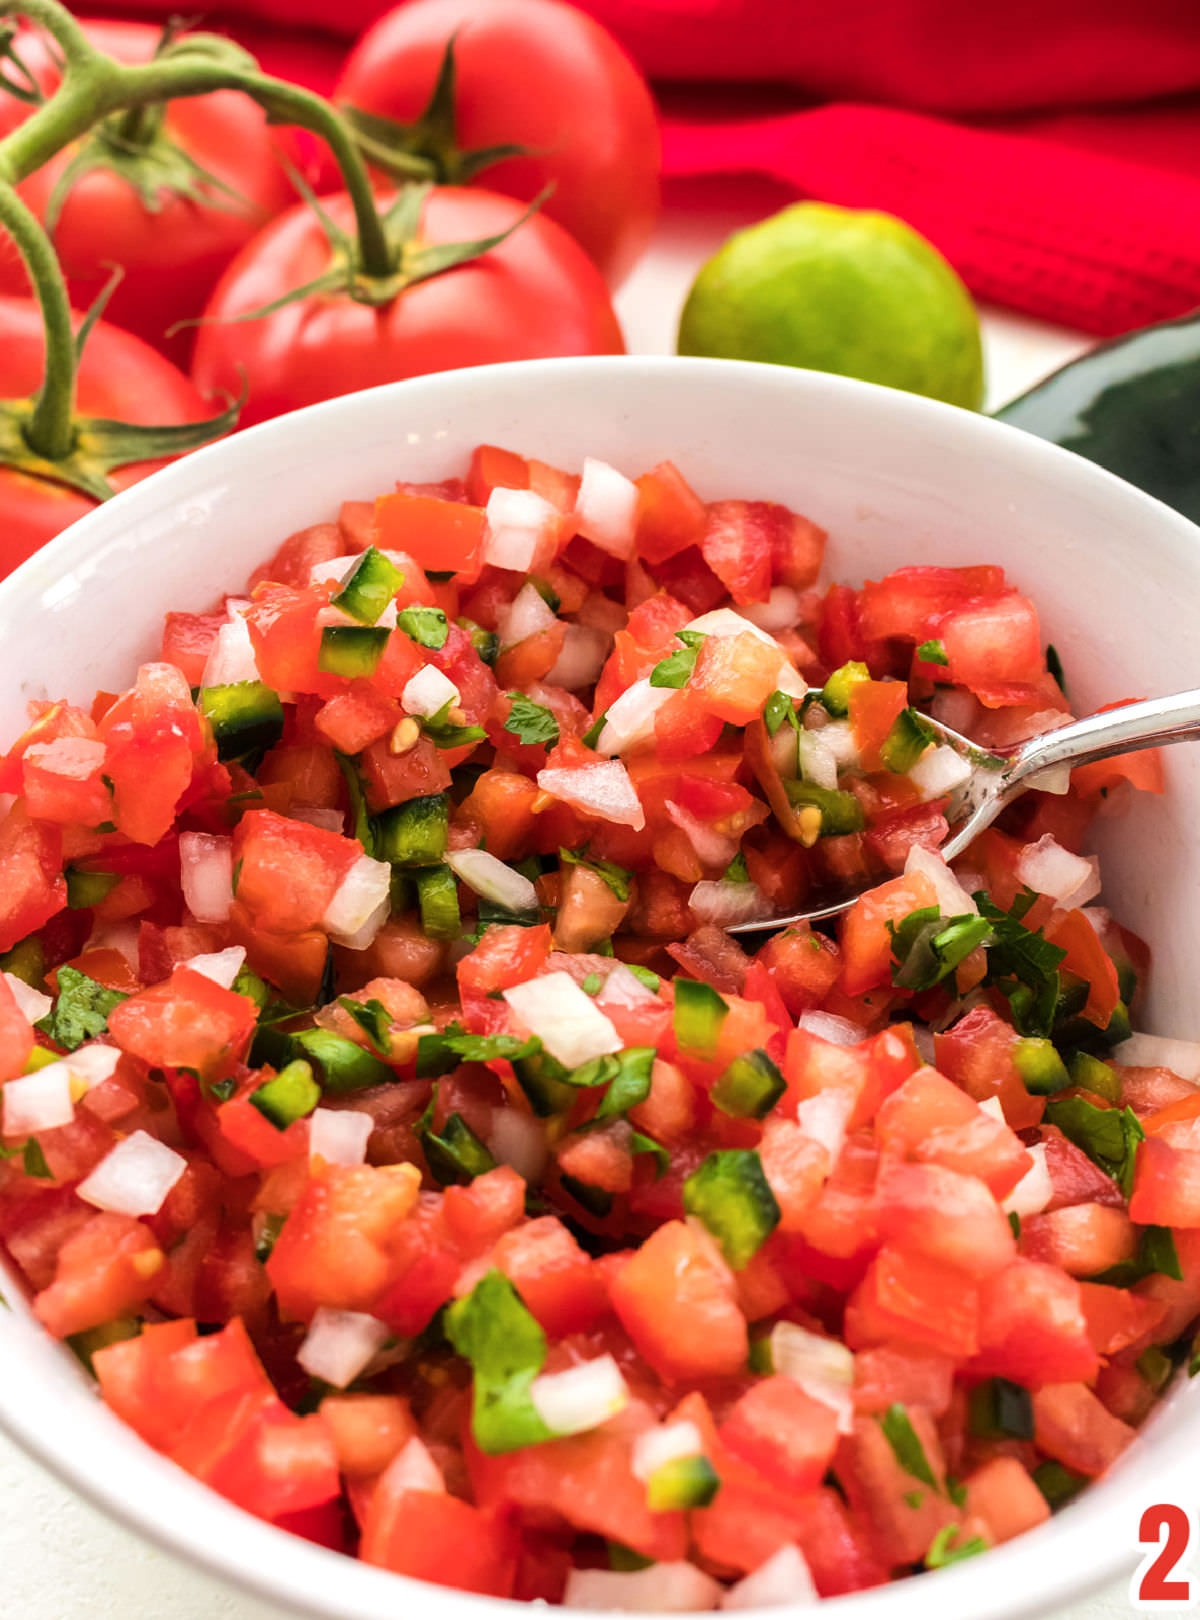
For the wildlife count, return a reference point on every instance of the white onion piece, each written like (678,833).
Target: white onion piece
(1035,1188)
(32,1002)
(993,1107)
(630,718)
(788,679)
(339,568)
(135,1177)
(582,658)
(491,879)
(606,508)
(206,873)
(666,1444)
(623,988)
(428,692)
(724,903)
(528,615)
(726,622)
(953,900)
(122,936)
(360,905)
(712,848)
(565,1018)
(824,1118)
(581,1398)
(659,1589)
(1054,779)
(823,1368)
(780,611)
(519,1141)
(939,771)
(1160,1051)
(40,1101)
(604,791)
(222,967)
(1048,868)
(231,658)
(516,521)
(339,1135)
(818,762)
(923,1041)
(415,1470)
(93,1063)
(316,815)
(784,1578)
(837,1031)
(339,1344)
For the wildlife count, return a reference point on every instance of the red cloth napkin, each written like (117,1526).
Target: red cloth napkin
(1050,148)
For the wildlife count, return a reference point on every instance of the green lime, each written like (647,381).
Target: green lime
(837,289)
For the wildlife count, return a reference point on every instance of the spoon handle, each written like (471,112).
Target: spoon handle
(1117,731)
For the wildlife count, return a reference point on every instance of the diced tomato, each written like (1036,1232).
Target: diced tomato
(186,1022)
(928,1119)
(505,956)
(737,546)
(1002,1494)
(32,887)
(977,1053)
(903,1517)
(734,676)
(1084,1239)
(106,1268)
(1166,1185)
(300,553)
(437,534)
(368,1431)
(288,871)
(887,1373)
(1089,961)
(784,1433)
(1032,1328)
(187,641)
(353,720)
(431,1536)
(676,1299)
(333,1249)
(671,516)
(1117,1318)
(874,708)
(906,1296)
(492,468)
(395,778)
(1072,1426)
(945,1216)
(552,1274)
(866,941)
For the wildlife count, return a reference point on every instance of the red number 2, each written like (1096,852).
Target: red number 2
(1168,1527)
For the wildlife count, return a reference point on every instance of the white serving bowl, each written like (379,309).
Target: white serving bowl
(896,480)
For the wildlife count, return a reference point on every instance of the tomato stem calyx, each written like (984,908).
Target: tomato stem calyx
(430,144)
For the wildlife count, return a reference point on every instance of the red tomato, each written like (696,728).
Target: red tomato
(173,252)
(120,378)
(534,296)
(537,74)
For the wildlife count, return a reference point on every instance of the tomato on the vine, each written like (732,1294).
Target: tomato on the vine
(217,149)
(535,295)
(120,378)
(532,73)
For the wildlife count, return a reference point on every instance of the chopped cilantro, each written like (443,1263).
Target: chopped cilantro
(644,975)
(906,1447)
(373,1018)
(932,652)
(1054,665)
(80,1010)
(675,669)
(496,1333)
(531,722)
(443,733)
(1109,1136)
(440,1052)
(779,710)
(33,1160)
(592,735)
(927,947)
(1022,964)
(617,877)
(737,871)
(946,1548)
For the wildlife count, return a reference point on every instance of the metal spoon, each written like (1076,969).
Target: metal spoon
(997,779)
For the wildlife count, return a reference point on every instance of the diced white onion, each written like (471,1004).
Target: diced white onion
(491,879)
(659,1589)
(784,753)
(231,657)
(1054,779)
(837,1031)
(135,1177)
(415,1470)
(528,615)
(339,568)
(122,936)
(993,1107)
(222,967)
(40,1101)
(727,622)
(604,791)
(206,873)
(724,904)
(582,658)
(838,737)
(581,1398)
(939,771)
(93,1063)
(565,1018)
(953,900)
(339,1344)
(788,678)
(606,508)
(630,718)
(316,815)
(339,1135)
(1160,1051)
(516,521)
(824,1118)
(823,1368)
(32,1002)
(1048,868)
(784,1578)
(623,988)
(712,848)
(780,611)
(923,1041)
(428,692)
(665,1444)
(360,905)
(818,763)
(1035,1188)
(519,1141)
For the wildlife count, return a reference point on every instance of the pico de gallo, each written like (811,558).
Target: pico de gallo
(393,1129)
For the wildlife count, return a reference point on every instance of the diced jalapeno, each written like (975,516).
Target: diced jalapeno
(998,1409)
(910,736)
(1057,1483)
(291,1095)
(543,1080)
(340,1064)
(699,1014)
(1041,1069)
(1093,1074)
(835,694)
(246,717)
(750,1086)
(351,649)
(86,889)
(455,1155)
(485,642)
(437,895)
(729,1193)
(370,587)
(841,812)
(684,1482)
(414,833)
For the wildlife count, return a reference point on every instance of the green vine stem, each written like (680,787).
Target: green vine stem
(50,430)
(93,86)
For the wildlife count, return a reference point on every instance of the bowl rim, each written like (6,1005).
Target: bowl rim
(1084,1547)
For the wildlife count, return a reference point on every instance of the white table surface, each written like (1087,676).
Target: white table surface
(62,1560)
